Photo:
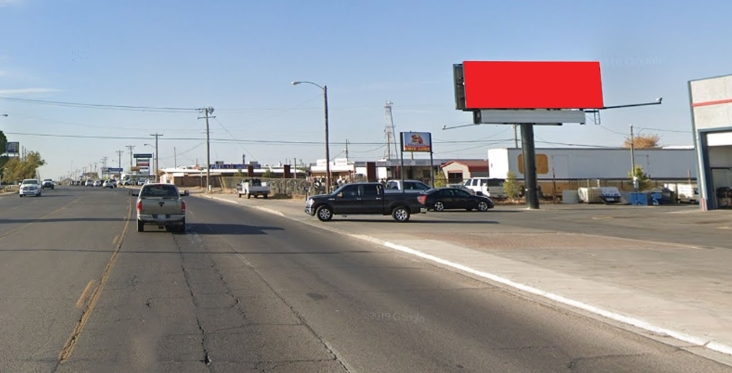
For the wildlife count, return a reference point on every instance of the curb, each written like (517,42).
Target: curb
(627,320)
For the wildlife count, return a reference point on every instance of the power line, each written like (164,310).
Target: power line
(96,106)
(232,136)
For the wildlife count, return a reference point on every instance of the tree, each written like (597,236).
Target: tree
(511,186)
(641,176)
(267,174)
(643,142)
(3,159)
(16,169)
(440,179)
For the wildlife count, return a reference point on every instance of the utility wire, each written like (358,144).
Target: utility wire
(232,136)
(96,106)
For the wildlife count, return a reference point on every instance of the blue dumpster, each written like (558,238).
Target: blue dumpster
(640,199)
(656,198)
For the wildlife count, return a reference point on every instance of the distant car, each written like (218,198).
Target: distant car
(140,182)
(108,184)
(30,187)
(89,182)
(47,184)
(97,183)
(441,199)
(161,205)
(114,182)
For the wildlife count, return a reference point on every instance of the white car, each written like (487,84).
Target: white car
(109,184)
(30,187)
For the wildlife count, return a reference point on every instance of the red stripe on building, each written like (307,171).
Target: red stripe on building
(715,102)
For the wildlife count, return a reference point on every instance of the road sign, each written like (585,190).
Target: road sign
(143,155)
(114,169)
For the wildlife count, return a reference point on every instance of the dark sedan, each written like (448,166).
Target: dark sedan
(441,199)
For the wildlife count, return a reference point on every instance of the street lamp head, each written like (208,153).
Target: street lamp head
(659,99)
(296,82)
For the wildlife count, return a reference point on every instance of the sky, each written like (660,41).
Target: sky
(240,58)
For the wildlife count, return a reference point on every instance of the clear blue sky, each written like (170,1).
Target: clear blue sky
(240,57)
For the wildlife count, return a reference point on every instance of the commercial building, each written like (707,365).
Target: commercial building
(711,113)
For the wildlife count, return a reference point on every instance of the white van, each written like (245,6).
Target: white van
(488,186)
(686,193)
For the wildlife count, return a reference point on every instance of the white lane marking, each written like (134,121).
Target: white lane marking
(698,341)
(243,259)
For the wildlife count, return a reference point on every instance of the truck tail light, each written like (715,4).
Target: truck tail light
(422,199)
(183,205)
(139,206)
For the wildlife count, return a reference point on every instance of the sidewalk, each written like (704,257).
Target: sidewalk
(680,294)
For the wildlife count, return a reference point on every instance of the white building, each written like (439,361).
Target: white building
(583,163)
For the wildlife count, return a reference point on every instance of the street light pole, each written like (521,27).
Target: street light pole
(632,159)
(327,145)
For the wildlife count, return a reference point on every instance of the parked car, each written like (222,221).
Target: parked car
(97,183)
(160,204)
(490,187)
(253,187)
(364,199)
(108,184)
(410,186)
(441,199)
(89,182)
(48,184)
(29,187)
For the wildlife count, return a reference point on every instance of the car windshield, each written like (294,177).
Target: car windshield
(159,190)
(30,181)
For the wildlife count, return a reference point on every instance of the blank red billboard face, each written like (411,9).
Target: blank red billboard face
(532,85)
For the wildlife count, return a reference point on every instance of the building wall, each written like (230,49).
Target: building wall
(454,168)
(562,163)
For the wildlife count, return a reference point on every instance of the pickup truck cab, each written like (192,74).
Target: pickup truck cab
(252,187)
(160,204)
(409,186)
(364,199)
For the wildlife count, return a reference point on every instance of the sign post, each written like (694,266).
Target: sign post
(419,142)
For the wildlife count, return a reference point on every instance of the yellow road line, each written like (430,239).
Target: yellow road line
(68,348)
(37,220)
(84,293)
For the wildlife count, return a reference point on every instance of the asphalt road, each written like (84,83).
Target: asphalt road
(243,290)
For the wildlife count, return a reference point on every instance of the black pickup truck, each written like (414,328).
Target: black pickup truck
(364,199)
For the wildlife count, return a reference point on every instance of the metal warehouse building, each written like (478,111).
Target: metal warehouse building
(578,163)
(711,113)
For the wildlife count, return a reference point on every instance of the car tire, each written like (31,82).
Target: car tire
(265,196)
(324,213)
(140,226)
(400,214)
(483,206)
(439,206)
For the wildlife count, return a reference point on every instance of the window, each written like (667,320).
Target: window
(461,193)
(160,191)
(350,191)
(371,190)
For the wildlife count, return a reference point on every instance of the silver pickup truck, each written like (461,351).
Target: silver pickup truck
(160,204)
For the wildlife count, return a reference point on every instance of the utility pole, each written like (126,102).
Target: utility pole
(119,161)
(207,114)
(130,147)
(175,158)
(515,136)
(632,160)
(346,149)
(104,166)
(157,154)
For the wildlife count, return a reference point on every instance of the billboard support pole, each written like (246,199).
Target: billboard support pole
(401,151)
(529,153)
(432,167)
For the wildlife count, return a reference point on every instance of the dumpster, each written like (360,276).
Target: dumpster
(640,199)
(656,198)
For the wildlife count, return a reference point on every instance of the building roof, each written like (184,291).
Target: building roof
(472,164)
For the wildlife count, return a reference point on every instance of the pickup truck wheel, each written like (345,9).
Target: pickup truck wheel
(400,214)
(239,195)
(265,196)
(140,226)
(482,206)
(439,206)
(324,213)
(249,196)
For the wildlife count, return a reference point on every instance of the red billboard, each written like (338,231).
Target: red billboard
(532,85)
